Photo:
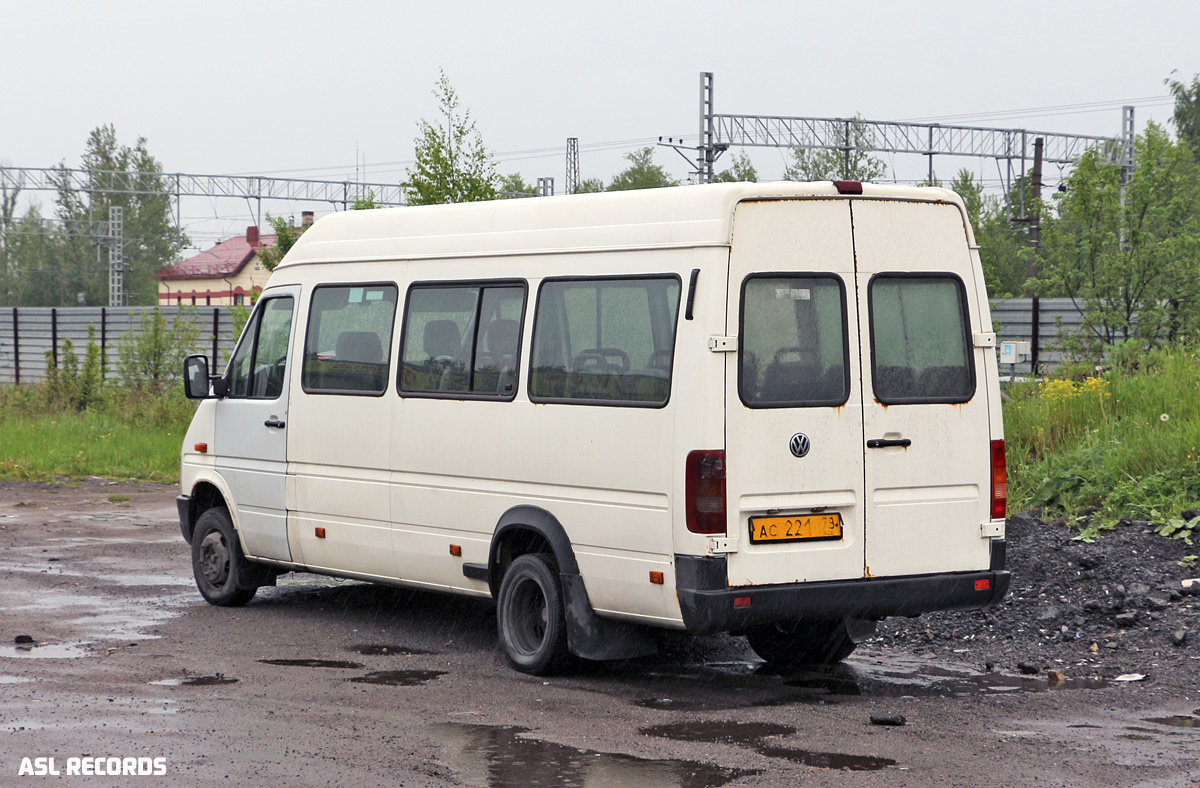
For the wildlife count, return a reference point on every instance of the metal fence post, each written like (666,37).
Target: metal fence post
(216,334)
(103,341)
(16,350)
(54,336)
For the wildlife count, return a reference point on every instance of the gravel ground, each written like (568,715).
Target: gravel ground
(1112,607)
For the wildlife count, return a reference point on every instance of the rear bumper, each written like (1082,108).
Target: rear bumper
(708,603)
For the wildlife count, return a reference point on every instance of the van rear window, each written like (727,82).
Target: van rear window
(793,341)
(604,341)
(349,339)
(920,339)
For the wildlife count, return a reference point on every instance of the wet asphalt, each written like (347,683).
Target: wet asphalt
(107,652)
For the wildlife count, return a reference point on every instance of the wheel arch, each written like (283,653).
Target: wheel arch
(206,494)
(528,529)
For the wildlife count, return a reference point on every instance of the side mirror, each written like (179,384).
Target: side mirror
(196,381)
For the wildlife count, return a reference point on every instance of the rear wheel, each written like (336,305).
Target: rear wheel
(530,615)
(217,560)
(790,643)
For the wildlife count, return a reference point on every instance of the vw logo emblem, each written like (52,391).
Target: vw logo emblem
(799,444)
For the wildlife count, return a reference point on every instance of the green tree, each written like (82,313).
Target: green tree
(1002,249)
(855,164)
(514,186)
(151,356)
(642,173)
(1135,267)
(740,169)
(286,236)
(151,239)
(367,203)
(1187,112)
(452,164)
(590,186)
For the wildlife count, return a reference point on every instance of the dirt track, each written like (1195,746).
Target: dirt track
(319,682)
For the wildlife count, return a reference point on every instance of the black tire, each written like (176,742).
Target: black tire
(217,560)
(817,643)
(530,616)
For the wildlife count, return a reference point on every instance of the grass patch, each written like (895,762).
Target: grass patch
(118,498)
(1124,442)
(123,435)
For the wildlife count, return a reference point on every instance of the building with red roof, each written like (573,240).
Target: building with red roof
(229,273)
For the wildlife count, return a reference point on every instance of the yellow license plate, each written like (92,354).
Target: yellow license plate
(799,528)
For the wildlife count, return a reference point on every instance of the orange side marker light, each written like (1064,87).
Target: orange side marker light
(455,550)
(656,578)
(202,448)
(320,533)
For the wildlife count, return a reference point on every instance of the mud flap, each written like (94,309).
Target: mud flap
(591,637)
(255,575)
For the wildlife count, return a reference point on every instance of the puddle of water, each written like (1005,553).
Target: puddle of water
(926,680)
(1178,721)
(197,681)
(399,678)
(722,732)
(48,651)
(828,760)
(500,757)
(753,734)
(313,663)
(369,650)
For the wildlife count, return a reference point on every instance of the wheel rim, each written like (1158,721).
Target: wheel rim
(529,616)
(214,559)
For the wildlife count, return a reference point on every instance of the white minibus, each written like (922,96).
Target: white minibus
(767,409)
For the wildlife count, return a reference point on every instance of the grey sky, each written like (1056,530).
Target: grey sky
(296,88)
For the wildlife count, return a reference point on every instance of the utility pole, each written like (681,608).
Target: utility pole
(1035,229)
(572,165)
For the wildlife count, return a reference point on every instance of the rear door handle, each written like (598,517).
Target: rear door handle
(276,423)
(883,443)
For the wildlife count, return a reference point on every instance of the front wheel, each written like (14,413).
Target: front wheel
(791,643)
(530,616)
(217,560)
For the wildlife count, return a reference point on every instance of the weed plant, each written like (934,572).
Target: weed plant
(1122,441)
(121,433)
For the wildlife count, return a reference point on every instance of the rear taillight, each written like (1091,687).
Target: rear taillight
(705,491)
(999,481)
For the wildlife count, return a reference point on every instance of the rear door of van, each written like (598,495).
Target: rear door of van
(857,440)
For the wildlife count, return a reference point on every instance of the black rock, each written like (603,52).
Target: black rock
(1023,520)
(1180,637)
(1155,603)
(23,639)
(1027,669)
(1125,619)
(888,719)
(1189,514)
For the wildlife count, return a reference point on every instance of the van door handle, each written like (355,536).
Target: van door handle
(883,443)
(276,423)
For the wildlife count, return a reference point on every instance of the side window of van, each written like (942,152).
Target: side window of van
(605,341)
(259,366)
(793,341)
(920,339)
(349,339)
(462,339)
